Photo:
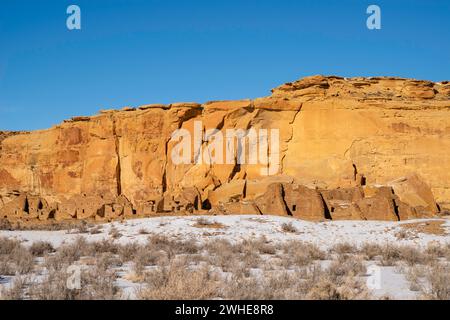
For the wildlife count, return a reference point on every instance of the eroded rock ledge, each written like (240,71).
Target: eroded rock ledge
(357,148)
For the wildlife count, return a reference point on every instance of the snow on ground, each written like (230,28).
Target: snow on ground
(238,227)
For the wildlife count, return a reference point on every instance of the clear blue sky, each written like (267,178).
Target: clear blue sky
(135,52)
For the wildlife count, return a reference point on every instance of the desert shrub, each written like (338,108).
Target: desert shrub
(288,227)
(202,221)
(274,285)
(103,246)
(435,250)
(346,265)
(68,254)
(40,248)
(411,255)
(96,284)
(344,248)
(438,278)
(390,254)
(348,288)
(14,258)
(114,233)
(144,257)
(143,231)
(127,251)
(414,275)
(300,253)
(23,260)
(15,291)
(95,229)
(371,250)
(176,282)
(107,261)
(7,245)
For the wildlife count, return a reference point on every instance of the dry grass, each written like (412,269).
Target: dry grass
(205,223)
(344,248)
(40,248)
(176,282)
(143,231)
(114,233)
(167,268)
(14,258)
(439,279)
(433,227)
(288,227)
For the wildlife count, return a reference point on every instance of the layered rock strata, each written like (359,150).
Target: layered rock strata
(357,148)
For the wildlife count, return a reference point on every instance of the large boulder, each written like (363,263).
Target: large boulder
(303,202)
(272,202)
(378,204)
(414,192)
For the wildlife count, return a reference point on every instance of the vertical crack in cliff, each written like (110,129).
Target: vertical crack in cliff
(283,156)
(164,176)
(117,150)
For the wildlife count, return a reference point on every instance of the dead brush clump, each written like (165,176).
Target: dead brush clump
(103,246)
(159,242)
(433,227)
(143,231)
(177,282)
(344,248)
(52,287)
(145,257)
(340,281)
(14,258)
(412,255)
(127,251)
(114,233)
(390,255)
(96,229)
(346,288)
(288,228)
(414,275)
(15,291)
(310,282)
(185,247)
(107,261)
(346,265)
(67,254)
(96,284)
(222,253)
(371,250)
(22,260)
(40,248)
(436,251)
(261,245)
(250,259)
(282,285)
(202,222)
(298,253)
(7,245)
(438,278)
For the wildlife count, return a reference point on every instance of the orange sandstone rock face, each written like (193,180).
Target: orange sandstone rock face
(358,148)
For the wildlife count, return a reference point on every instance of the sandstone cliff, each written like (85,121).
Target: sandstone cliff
(358,148)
